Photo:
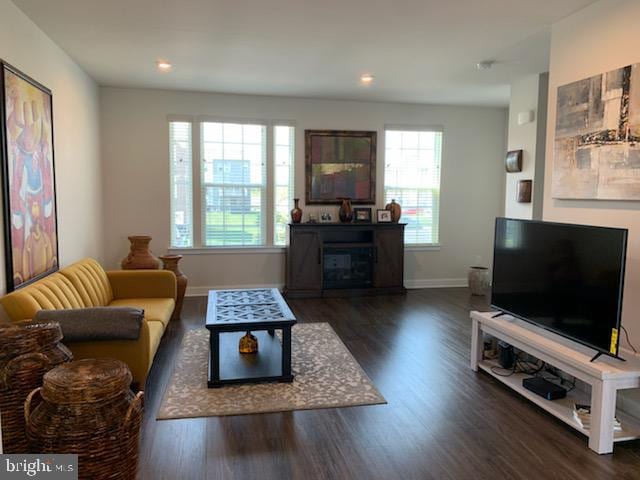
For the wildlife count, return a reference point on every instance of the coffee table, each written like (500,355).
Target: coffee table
(231,313)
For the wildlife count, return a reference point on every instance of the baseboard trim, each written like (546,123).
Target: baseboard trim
(436,283)
(410,284)
(204,291)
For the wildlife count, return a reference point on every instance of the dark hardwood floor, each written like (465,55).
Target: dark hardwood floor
(442,420)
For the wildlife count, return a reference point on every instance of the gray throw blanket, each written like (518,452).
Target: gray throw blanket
(97,323)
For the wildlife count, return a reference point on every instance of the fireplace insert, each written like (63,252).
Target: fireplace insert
(347,267)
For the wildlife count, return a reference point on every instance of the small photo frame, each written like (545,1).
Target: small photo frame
(384,216)
(513,162)
(362,215)
(326,217)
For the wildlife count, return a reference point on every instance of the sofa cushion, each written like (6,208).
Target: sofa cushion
(137,354)
(155,309)
(96,323)
(90,281)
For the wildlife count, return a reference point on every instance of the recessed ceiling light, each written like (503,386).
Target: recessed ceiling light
(163,65)
(366,79)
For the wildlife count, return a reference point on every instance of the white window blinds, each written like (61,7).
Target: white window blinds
(412,178)
(181,184)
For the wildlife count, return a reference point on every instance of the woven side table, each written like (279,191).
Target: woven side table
(87,408)
(27,352)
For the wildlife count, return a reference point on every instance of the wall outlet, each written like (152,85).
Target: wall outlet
(478,261)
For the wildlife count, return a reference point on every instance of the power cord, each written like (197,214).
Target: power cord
(535,369)
(626,334)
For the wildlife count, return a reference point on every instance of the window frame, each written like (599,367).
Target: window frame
(199,188)
(418,128)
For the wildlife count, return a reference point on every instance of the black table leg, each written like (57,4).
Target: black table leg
(214,359)
(286,355)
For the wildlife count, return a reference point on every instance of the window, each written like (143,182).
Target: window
(181,184)
(412,178)
(283,181)
(233,184)
(245,189)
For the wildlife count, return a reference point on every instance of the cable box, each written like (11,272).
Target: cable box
(544,388)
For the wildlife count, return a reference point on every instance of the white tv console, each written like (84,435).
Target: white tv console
(606,376)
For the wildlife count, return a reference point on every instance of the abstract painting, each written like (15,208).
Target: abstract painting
(26,126)
(340,164)
(597,141)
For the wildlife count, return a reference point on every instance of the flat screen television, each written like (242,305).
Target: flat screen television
(565,278)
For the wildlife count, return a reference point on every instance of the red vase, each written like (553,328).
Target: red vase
(296,213)
(170,262)
(395,210)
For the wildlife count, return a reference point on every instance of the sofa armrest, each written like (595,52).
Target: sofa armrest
(142,283)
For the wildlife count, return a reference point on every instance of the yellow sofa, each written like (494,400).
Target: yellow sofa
(86,284)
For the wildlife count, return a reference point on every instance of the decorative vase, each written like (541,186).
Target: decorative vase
(27,352)
(478,280)
(346,212)
(395,210)
(248,344)
(170,262)
(140,257)
(296,213)
(87,408)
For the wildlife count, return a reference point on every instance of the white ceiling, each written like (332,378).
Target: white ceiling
(420,51)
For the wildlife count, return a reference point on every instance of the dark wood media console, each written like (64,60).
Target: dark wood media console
(345,259)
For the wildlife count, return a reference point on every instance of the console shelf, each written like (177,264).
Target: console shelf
(605,376)
(562,408)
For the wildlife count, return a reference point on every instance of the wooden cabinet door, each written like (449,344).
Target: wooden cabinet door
(304,261)
(388,258)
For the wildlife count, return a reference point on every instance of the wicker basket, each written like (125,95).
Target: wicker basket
(27,352)
(87,408)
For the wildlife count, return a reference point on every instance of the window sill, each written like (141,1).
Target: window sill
(422,248)
(227,250)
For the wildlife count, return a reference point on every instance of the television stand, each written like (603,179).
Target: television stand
(605,377)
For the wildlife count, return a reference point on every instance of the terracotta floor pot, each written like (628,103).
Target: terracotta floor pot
(27,352)
(170,262)
(140,257)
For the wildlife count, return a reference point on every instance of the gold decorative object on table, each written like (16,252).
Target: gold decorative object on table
(170,262)
(140,257)
(27,352)
(87,408)
(248,343)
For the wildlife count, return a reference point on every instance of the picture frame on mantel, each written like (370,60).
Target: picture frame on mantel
(28,178)
(340,164)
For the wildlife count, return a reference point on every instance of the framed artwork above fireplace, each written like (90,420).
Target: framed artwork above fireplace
(340,164)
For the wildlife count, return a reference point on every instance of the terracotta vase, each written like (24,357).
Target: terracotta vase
(478,280)
(140,257)
(396,211)
(346,212)
(296,213)
(170,262)
(27,352)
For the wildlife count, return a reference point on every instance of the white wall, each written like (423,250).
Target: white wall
(134,138)
(528,94)
(597,39)
(76,133)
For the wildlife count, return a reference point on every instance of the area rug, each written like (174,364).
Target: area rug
(326,376)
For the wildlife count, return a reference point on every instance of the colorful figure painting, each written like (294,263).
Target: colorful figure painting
(31,237)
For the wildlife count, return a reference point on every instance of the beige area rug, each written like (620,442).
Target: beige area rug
(326,376)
